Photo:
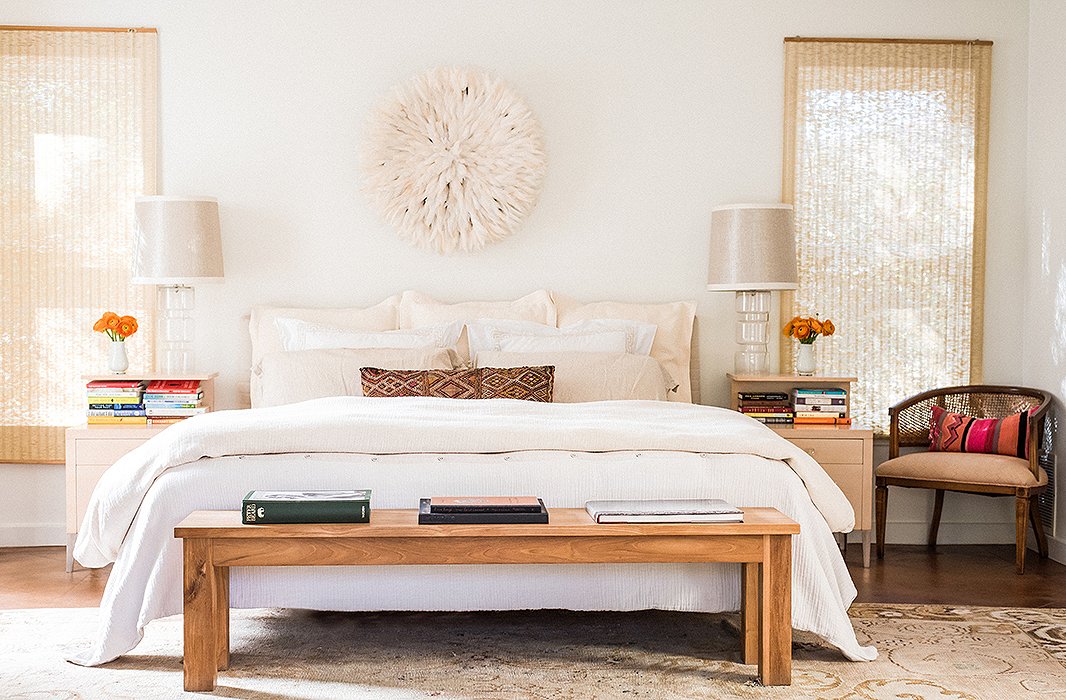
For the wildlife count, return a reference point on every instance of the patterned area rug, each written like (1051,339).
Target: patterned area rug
(927,651)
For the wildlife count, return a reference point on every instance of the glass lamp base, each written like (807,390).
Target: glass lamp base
(749,361)
(753,329)
(175,354)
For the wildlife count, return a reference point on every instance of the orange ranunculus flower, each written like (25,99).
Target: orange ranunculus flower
(124,329)
(100,326)
(816,325)
(111,320)
(803,329)
(828,328)
(130,322)
(787,330)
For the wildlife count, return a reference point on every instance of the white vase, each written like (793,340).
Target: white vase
(805,360)
(118,362)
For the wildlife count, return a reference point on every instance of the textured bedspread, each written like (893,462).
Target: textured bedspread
(407,448)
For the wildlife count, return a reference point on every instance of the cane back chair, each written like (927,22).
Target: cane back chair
(966,472)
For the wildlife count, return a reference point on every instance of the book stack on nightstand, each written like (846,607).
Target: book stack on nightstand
(93,447)
(115,402)
(844,449)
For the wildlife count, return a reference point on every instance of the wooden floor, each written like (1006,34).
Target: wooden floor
(33,577)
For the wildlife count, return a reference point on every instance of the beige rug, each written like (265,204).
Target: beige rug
(926,652)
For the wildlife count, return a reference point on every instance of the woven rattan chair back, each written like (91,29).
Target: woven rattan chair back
(912,419)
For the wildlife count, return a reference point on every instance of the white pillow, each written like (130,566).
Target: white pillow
(673,341)
(289,377)
(599,335)
(592,376)
(417,309)
(296,334)
(264,333)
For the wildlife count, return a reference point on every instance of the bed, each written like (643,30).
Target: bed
(411,447)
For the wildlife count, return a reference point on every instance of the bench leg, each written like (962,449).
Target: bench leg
(775,611)
(749,612)
(201,637)
(222,616)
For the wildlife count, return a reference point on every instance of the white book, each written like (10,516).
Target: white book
(680,510)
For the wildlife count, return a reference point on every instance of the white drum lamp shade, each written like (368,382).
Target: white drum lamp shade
(752,252)
(178,240)
(178,243)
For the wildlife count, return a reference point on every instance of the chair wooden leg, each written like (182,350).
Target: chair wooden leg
(882,514)
(934,525)
(1038,528)
(1021,526)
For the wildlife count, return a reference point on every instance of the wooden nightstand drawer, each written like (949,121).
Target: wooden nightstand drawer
(831,451)
(104,451)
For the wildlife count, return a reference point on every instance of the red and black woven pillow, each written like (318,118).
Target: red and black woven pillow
(524,383)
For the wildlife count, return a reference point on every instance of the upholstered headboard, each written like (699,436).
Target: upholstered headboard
(675,345)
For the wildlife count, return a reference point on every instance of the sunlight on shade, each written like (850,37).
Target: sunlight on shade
(59,163)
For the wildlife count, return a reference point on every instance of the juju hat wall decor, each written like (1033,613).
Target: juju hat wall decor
(454,160)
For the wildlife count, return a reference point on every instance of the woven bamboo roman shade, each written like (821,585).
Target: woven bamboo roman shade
(77,144)
(885,162)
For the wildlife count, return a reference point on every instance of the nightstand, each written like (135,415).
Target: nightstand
(845,452)
(92,449)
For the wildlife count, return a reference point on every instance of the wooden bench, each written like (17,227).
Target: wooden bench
(214,541)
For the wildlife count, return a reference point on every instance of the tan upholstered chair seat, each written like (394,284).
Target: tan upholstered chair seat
(963,468)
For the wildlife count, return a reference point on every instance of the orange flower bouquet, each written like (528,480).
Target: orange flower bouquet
(806,329)
(116,327)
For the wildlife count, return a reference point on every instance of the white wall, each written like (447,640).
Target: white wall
(1045,318)
(653,112)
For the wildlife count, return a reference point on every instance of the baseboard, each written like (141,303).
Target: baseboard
(950,533)
(32,534)
(1056,549)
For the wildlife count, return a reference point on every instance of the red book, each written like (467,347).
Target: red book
(173,386)
(114,384)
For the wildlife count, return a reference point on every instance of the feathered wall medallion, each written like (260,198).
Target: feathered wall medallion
(454,160)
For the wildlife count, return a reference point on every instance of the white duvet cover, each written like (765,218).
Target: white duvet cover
(404,449)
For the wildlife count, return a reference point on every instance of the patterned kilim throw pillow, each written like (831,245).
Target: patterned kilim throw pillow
(955,432)
(525,383)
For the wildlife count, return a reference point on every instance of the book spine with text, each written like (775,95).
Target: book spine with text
(270,512)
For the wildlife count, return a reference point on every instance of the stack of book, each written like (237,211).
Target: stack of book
(115,402)
(168,401)
(482,510)
(273,507)
(820,407)
(770,407)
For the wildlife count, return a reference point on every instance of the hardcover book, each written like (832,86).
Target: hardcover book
(427,517)
(680,510)
(173,386)
(485,504)
(274,507)
(762,396)
(115,384)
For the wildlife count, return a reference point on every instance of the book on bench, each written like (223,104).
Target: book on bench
(680,510)
(274,507)
(486,514)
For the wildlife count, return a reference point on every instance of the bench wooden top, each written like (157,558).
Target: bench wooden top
(565,522)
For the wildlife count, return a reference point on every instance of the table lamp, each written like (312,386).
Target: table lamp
(753,252)
(177,244)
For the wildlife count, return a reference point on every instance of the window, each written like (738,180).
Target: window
(77,144)
(885,161)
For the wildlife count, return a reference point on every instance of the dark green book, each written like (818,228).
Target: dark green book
(273,507)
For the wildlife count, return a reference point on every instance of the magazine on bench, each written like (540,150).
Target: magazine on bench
(680,510)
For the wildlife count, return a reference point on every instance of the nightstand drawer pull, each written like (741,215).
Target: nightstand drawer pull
(831,451)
